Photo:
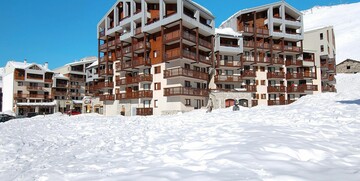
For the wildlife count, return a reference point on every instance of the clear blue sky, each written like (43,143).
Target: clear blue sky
(60,32)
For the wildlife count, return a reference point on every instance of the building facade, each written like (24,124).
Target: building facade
(154,57)
(348,67)
(272,65)
(28,88)
(69,85)
(322,42)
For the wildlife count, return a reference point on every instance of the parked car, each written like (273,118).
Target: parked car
(5,117)
(31,114)
(73,112)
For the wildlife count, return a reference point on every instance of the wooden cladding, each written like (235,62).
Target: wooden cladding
(135,95)
(144,111)
(134,80)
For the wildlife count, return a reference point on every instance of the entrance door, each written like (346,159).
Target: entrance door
(198,104)
(229,102)
(282,99)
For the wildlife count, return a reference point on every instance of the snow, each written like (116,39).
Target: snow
(96,63)
(36,103)
(346,26)
(60,76)
(227,31)
(24,65)
(315,138)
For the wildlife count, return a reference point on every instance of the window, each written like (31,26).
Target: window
(157,86)
(229,72)
(348,67)
(155,103)
(322,48)
(321,36)
(157,70)
(229,86)
(262,82)
(187,66)
(187,102)
(263,96)
(20,83)
(147,103)
(147,71)
(155,54)
(187,84)
(146,86)
(262,69)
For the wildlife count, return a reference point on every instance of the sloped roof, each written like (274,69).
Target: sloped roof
(348,60)
(23,65)
(227,31)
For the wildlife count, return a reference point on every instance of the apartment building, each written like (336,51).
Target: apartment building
(69,84)
(154,57)
(273,66)
(322,42)
(2,71)
(28,88)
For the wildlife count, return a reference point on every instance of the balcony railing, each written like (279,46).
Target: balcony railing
(189,36)
(141,61)
(185,91)
(276,89)
(190,55)
(35,88)
(205,59)
(277,47)
(266,60)
(229,63)
(277,102)
(248,29)
(295,89)
(249,73)
(276,75)
(298,63)
(61,85)
(227,78)
(292,48)
(186,73)
(35,96)
(103,71)
(16,77)
(138,30)
(205,43)
(310,75)
(328,89)
(250,88)
(134,80)
(100,85)
(141,45)
(294,75)
(108,97)
(144,111)
(174,35)
(127,49)
(77,79)
(135,95)
(262,31)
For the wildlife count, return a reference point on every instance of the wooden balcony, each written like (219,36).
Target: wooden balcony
(247,29)
(262,31)
(77,79)
(135,95)
(292,48)
(185,91)
(328,89)
(249,74)
(16,77)
(277,102)
(30,96)
(172,54)
(58,85)
(102,85)
(264,60)
(295,89)
(331,67)
(188,36)
(275,89)
(188,54)
(59,93)
(309,75)
(278,61)
(75,94)
(134,80)
(104,72)
(294,75)
(310,87)
(108,97)
(141,61)
(250,88)
(171,36)
(141,45)
(34,88)
(227,78)
(229,63)
(205,43)
(296,63)
(144,111)
(276,75)
(205,59)
(74,86)
(179,72)
(277,47)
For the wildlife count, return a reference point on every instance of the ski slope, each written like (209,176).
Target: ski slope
(315,138)
(346,21)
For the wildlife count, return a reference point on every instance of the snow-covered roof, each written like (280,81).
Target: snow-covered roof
(36,103)
(247,10)
(227,31)
(61,76)
(83,60)
(201,7)
(2,71)
(24,65)
(96,63)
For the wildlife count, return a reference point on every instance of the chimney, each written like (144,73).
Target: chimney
(46,65)
(25,61)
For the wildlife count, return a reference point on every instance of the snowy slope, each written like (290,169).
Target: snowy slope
(315,138)
(346,21)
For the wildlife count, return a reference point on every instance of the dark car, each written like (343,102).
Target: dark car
(31,114)
(5,117)
(73,112)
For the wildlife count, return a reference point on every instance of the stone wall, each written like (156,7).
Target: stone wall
(353,65)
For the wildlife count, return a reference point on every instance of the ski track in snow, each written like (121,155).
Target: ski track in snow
(315,138)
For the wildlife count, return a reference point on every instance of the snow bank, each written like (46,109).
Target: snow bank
(315,138)
(346,27)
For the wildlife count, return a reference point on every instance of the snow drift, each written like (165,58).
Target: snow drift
(315,138)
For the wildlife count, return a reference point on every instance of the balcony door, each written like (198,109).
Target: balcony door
(198,104)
